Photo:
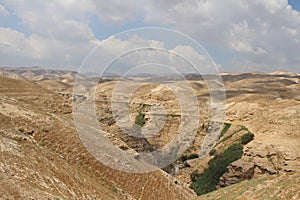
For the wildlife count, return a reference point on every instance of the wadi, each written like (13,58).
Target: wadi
(253,154)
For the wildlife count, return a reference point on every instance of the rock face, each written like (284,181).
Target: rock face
(269,108)
(258,160)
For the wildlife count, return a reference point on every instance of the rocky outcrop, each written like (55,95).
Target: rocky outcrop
(258,160)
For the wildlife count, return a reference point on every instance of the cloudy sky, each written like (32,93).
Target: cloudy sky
(240,35)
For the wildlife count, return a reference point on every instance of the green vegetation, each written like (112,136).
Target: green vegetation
(174,115)
(207,181)
(230,136)
(212,152)
(21,130)
(114,189)
(18,138)
(248,137)
(225,129)
(226,138)
(140,119)
(189,157)
(194,175)
(145,106)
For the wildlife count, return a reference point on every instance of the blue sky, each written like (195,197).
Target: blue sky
(295,4)
(239,35)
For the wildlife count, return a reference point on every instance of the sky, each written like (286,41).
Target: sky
(239,35)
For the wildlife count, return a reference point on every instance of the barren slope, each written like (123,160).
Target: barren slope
(36,124)
(37,131)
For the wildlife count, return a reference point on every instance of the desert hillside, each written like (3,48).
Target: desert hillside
(42,156)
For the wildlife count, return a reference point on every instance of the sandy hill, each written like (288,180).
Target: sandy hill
(42,156)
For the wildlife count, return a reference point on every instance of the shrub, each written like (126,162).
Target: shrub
(194,175)
(189,157)
(174,115)
(248,137)
(193,156)
(18,138)
(140,119)
(207,181)
(225,129)
(114,189)
(212,152)
(230,136)
(184,158)
(145,106)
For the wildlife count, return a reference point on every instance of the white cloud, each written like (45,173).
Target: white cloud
(272,5)
(18,50)
(3,11)
(132,43)
(127,53)
(59,34)
(118,11)
(189,53)
(63,21)
(264,33)
(240,39)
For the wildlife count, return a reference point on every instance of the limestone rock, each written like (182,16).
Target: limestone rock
(258,160)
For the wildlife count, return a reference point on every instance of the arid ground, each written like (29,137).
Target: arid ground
(42,156)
